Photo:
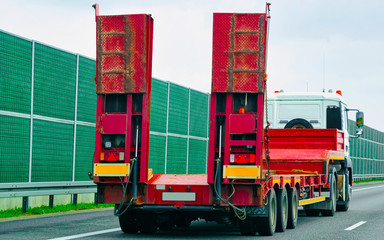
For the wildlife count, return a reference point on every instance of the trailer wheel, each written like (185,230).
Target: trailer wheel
(293,208)
(147,222)
(282,210)
(182,222)
(333,194)
(166,226)
(248,226)
(128,223)
(266,226)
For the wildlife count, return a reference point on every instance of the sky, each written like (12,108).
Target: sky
(331,44)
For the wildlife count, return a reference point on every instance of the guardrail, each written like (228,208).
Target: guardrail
(26,190)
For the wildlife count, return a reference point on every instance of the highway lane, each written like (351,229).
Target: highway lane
(365,218)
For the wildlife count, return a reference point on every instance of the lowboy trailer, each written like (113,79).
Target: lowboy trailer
(257,178)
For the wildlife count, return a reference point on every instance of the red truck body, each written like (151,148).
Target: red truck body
(252,173)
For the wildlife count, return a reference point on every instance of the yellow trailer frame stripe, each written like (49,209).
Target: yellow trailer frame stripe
(241,172)
(312,200)
(111,169)
(287,181)
(336,158)
(275,181)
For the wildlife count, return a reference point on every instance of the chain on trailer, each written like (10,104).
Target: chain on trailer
(266,140)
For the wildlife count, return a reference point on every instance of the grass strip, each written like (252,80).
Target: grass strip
(370,180)
(16,212)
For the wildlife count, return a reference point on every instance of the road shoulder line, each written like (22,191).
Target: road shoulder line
(87,234)
(355,226)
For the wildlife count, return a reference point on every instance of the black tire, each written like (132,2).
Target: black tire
(128,223)
(247,226)
(293,208)
(147,222)
(298,123)
(333,195)
(166,226)
(182,222)
(312,212)
(344,205)
(266,226)
(282,210)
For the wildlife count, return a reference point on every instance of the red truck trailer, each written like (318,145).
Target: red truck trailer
(257,178)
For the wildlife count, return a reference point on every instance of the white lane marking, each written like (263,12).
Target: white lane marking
(87,234)
(355,226)
(361,189)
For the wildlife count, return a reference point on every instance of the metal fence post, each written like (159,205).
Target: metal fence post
(51,199)
(31,119)
(207,133)
(25,204)
(96,199)
(74,199)
(166,130)
(189,113)
(75,120)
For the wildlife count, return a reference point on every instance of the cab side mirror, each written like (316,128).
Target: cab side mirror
(360,119)
(359,123)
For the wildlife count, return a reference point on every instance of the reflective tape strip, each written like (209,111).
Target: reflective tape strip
(111,169)
(312,200)
(241,172)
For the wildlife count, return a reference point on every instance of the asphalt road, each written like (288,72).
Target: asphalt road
(364,220)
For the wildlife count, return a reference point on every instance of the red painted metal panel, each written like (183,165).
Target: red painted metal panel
(242,123)
(238,66)
(239,48)
(123,45)
(330,139)
(124,66)
(114,123)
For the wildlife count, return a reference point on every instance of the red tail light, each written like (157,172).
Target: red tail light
(242,158)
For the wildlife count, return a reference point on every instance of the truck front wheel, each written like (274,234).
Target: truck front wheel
(344,205)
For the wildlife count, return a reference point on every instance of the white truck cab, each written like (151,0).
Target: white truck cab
(311,110)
